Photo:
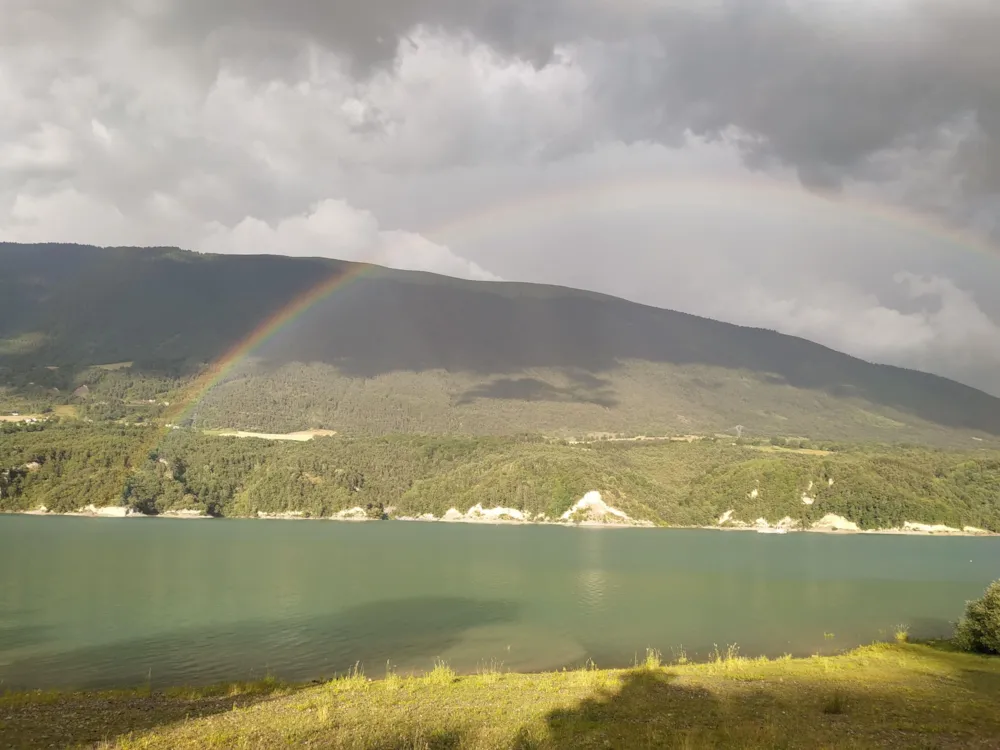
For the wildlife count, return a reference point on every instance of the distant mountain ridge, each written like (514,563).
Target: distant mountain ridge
(407,351)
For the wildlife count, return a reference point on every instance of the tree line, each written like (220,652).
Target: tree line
(65,466)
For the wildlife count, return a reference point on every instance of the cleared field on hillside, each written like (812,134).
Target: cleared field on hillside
(801,451)
(299,437)
(113,366)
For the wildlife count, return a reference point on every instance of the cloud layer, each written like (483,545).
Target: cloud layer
(371,130)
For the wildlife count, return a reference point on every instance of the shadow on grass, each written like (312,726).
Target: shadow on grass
(657,709)
(43,720)
(980,673)
(649,710)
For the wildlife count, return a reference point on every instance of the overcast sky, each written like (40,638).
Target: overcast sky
(827,168)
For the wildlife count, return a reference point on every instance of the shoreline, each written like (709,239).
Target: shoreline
(849,532)
(180,516)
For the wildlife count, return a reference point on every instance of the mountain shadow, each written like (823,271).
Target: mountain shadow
(585,389)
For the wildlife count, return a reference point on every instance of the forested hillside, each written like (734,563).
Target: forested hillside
(118,333)
(64,466)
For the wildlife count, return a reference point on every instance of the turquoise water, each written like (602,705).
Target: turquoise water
(107,602)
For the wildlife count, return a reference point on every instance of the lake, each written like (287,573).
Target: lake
(106,603)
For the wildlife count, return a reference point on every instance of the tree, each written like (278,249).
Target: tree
(979,630)
(376,512)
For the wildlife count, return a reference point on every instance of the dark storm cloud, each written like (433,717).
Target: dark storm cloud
(369,31)
(824,87)
(819,86)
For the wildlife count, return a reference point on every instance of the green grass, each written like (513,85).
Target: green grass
(887,695)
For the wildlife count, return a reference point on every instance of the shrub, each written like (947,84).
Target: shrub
(979,630)
(836,705)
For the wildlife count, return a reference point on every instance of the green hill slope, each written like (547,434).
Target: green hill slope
(393,351)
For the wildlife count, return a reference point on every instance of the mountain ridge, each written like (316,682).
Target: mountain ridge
(451,343)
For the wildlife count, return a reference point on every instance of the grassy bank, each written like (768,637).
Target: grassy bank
(885,695)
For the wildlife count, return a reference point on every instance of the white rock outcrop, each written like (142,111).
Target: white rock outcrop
(110,511)
(351,514)
(591,507)
(929,528)
(478,512)
(287,515)
(833,522)
(184,513)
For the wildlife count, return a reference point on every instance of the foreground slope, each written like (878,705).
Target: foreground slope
(392,351)
(896,696)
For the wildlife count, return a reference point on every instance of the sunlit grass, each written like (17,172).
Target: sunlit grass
(892,694)
(491,671)
(442,674)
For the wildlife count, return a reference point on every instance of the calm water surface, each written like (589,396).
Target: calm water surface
(104,602)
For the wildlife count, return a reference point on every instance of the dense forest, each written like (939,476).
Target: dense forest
(65,465)
(120,333)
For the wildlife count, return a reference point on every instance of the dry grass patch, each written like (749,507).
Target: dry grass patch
(299,437)
(782,449)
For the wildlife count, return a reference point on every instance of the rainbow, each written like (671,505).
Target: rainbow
(221,367)
(531,209)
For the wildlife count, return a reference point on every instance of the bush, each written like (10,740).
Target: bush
(979,630)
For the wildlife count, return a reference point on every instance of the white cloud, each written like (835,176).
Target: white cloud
(47,148)
(947,332)
(331,228)
(445,100)
(334,229)
(64,216)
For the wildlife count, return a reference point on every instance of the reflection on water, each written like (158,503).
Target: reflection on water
(591,585)
(103,603)
(592,579)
